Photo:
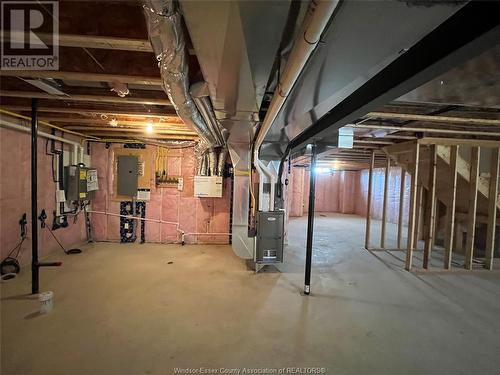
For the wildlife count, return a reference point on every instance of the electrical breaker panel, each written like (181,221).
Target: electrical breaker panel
(128,175)
(79,182)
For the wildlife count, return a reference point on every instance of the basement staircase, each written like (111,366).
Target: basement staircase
(403,154)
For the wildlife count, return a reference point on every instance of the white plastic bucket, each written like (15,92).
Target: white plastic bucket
(46,302)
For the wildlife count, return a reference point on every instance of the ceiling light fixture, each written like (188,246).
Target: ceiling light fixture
(113,122)
(149,127)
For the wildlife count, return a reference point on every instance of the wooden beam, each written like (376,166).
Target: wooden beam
(98,121)
(400,148)
(436,130)
(104,42)
(450,209)
(86,98)
(395,136)
(384,207)
(374,141)
(98,42)
(432,118)
(157,130)
(413,204)
(471,225)
(153,136)
(369,201)
(96,112)
(85,77)
(401,206)
(458,141)
(492,209)
(431,208)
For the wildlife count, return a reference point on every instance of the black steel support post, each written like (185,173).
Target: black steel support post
(310,220)
(35,271)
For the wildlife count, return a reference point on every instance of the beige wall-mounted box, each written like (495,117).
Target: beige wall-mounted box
(208,186)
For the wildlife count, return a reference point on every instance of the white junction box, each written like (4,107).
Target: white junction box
(208,186)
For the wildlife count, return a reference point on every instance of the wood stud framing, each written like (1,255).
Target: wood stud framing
(384,207)
(431,207)
(401,206)
(471,224)
(369,200)
(492,209)
(413,207)
(450,209)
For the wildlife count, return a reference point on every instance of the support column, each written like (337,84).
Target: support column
(413,207)
(369,200)
(401,206)
(450,209)
(471,224)
(310,221)
(384,208)
(35,271)
(431,207)
(492,209)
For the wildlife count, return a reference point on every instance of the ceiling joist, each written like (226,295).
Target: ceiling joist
(86,98)
(83,77)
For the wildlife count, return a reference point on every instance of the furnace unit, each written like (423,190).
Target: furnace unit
(270,232)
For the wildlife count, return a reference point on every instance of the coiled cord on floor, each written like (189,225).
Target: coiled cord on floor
(9,267)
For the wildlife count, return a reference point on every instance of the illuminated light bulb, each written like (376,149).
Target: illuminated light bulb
(149,127)
(113,122)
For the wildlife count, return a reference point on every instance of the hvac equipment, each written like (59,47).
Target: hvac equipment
(270,237)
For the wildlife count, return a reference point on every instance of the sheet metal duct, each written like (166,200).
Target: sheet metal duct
(200,94)
(167,38)
(236,43)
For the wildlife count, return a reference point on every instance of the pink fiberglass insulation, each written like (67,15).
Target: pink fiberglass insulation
(335,192)
(347,192)
(202,219)
(378,194)
(15,197)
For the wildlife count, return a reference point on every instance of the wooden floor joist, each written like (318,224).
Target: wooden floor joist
(96,112)
(413,204)
(431,208)
(471,224)
(450,209)
(434,118)
(84,77)
(492,209)
(369,201)
(86,98)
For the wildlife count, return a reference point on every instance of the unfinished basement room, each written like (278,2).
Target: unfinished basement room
(250,187)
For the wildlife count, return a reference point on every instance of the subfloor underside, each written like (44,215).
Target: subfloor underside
(148,309)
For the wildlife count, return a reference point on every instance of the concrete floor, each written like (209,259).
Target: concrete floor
(125,309)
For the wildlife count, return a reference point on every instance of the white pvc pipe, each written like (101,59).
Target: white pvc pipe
(317,17)
(272,181)
(76,146)
(159,221)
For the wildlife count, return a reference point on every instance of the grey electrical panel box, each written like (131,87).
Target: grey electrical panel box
(270,231)
(128,175)
(76,183)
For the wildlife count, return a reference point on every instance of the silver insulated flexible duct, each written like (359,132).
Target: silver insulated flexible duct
(167,39)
